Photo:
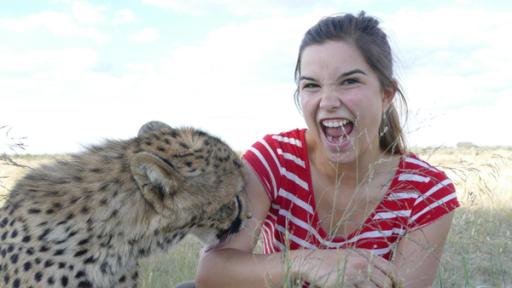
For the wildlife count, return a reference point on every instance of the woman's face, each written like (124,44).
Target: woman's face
(342,101)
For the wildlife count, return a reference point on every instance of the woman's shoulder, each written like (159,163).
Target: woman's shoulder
(293,141)
(293,137)
(290,142)
(413,162)
(431,191)
(416,170)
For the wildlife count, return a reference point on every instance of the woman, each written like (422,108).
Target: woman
(341,203)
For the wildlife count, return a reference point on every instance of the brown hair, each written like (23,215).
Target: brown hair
(366,35)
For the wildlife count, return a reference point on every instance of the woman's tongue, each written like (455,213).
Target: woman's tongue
(338,134)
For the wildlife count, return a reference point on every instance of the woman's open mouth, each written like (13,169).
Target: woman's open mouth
(338,130)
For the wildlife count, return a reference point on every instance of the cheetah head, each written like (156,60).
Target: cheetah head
(191,180)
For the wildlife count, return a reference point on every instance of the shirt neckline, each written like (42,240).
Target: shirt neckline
(316,219)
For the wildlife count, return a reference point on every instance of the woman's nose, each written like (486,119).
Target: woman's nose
(330,100)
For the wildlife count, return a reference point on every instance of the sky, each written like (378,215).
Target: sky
(73,73)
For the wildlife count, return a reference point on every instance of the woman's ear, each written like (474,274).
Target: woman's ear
(388,94)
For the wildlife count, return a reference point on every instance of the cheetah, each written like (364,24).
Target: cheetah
(85,221)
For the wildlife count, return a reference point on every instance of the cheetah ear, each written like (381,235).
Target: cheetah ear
(152,126)
(156,178)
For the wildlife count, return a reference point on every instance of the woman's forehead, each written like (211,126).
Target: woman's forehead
(332,58)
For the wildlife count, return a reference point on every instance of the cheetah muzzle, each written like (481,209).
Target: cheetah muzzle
(86,220)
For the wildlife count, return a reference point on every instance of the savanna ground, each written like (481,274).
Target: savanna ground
(478,252)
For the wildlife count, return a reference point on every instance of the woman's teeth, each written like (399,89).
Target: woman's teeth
(335,123)
(337,130)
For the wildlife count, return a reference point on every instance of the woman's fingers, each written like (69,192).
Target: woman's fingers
(381,280)
(389,271)
(350,268)
(378,270)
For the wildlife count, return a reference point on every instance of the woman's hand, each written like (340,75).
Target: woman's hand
(345,268)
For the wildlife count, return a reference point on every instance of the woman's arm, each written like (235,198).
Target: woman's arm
(418,254)
(233,264)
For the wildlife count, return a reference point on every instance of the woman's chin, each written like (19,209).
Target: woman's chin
(340,156)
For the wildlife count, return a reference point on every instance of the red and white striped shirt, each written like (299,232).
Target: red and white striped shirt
(418,195)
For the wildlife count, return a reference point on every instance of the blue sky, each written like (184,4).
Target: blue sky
(75,72)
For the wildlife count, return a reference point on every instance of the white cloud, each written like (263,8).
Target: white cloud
(123,16)
(59,24)
(238,81)
(219,85)
(87,13)
(48,63)
(481,125)
(454,72)
(450,40)
(182,6)
(50,20)
(257,8)
(243,53)
(145,35)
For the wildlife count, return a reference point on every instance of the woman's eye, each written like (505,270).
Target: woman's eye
(309,85)
(349,81)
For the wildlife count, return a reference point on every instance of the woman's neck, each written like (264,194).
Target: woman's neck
(368,163)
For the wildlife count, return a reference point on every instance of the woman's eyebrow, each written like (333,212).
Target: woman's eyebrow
(348,73)
(351,72)
(306,78)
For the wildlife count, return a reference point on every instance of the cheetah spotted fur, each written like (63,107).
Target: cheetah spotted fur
(85,221)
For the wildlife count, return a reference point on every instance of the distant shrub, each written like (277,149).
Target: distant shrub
(466,145)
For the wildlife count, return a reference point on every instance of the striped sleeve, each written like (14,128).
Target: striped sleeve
(437,197)
(262,158)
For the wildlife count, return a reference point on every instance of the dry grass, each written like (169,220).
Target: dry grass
(483,176)
(13,168)
(478,248)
